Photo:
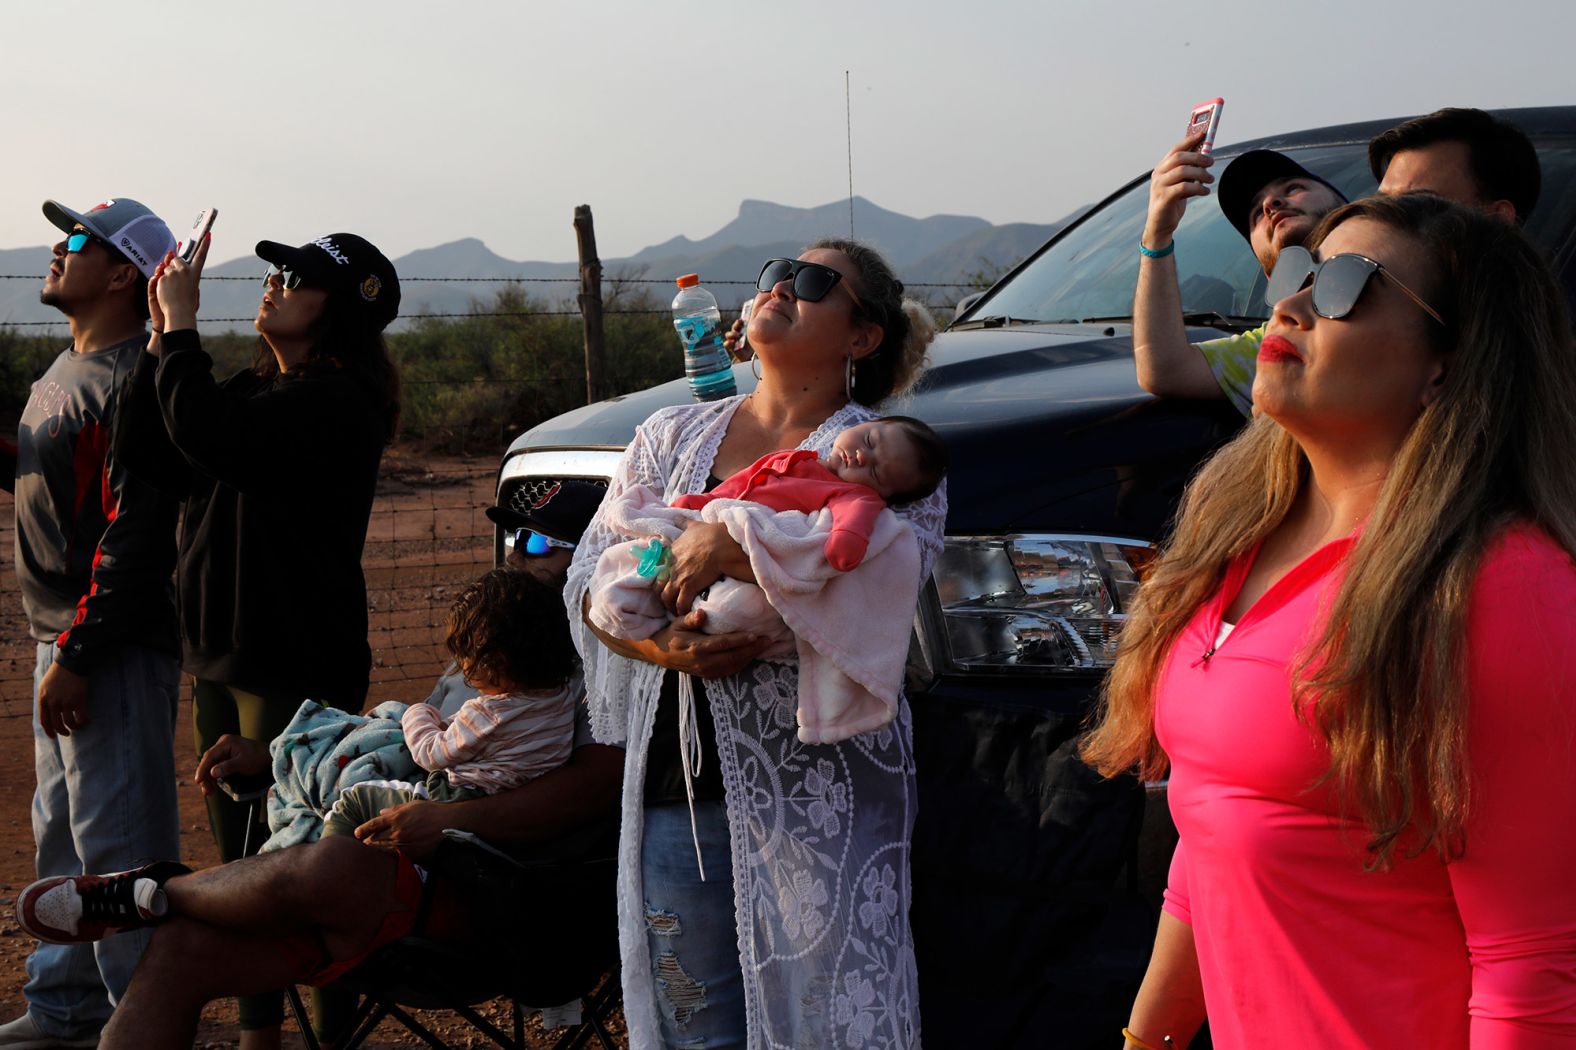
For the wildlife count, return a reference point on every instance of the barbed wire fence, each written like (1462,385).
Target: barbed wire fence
(942,305)
(428,533)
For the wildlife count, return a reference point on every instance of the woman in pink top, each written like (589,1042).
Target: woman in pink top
(1357,661)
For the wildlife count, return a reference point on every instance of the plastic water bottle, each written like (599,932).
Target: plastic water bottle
(699,324)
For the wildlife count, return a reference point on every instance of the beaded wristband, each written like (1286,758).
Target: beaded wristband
(1152,253)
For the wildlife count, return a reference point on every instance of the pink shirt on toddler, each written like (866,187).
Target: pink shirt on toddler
(1296,942)
(495,741)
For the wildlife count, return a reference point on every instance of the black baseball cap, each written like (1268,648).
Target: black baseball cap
(562,510)
(342,264)
(1246,175)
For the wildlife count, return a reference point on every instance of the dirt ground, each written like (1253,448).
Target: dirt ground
(427,535)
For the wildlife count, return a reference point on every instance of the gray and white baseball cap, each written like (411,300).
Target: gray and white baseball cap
(126,225)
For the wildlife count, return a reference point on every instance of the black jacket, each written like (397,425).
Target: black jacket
(278,475)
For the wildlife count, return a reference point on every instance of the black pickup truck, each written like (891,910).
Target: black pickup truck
(1035,889)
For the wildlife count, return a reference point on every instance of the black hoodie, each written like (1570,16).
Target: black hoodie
(278,474)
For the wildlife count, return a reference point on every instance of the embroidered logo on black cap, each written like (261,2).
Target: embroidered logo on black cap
(546,497)
(332,250)
(371,288)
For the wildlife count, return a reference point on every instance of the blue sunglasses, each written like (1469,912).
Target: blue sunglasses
(535,544)
(79,240)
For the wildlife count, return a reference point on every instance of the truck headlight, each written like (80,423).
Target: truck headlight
(1034,602)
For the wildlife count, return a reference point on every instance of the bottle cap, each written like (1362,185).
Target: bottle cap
(689,280)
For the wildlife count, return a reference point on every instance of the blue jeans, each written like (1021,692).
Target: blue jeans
(691,929)
(105,802)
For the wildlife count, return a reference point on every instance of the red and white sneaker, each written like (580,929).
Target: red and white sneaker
(72,909)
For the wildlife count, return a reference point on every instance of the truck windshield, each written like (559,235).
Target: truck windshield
(1091,272)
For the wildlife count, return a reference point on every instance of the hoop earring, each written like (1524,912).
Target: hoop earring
(848,378)
(755,366)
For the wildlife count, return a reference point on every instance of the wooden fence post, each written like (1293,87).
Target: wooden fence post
(590,302)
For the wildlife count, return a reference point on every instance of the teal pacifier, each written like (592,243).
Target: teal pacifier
(653,560)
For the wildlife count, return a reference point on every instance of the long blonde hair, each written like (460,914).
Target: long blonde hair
(1384,683)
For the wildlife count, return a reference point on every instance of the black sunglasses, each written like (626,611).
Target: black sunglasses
(1338,282)
(288,278)
(811,280)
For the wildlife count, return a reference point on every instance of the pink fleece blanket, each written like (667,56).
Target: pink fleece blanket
(851,628)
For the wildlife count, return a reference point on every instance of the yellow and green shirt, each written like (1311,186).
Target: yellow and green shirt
(1233,360)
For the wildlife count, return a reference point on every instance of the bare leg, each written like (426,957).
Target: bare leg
(335,886)
(187,965)
(237,930)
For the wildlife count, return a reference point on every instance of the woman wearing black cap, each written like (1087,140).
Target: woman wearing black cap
(277,465)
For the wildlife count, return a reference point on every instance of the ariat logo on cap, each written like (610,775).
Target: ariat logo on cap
(371,288)
(130,248)
(332,250)
(547,497)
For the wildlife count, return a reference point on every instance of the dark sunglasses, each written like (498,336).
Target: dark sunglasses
(288,278)
(527,541)
(1338,282)
(811,281)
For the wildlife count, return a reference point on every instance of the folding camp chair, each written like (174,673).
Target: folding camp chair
(414,974)
(569,952)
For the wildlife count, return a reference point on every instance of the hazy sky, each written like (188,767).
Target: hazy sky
(420,123)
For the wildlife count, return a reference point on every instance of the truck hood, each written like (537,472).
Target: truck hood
(1052,410)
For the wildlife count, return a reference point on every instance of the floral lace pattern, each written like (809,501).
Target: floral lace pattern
(820,832)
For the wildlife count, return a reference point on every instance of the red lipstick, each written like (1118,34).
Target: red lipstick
(1277,348)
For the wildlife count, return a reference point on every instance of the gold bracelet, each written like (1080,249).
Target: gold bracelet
(1127,1033)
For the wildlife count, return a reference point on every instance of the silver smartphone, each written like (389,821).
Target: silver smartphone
(200,228)
(741,349)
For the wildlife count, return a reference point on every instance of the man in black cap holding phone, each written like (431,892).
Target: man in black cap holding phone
(1273,202)
(1464,155)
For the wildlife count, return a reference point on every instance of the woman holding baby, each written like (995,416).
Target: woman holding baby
(797,934)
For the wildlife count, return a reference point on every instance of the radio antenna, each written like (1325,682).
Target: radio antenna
(848,112)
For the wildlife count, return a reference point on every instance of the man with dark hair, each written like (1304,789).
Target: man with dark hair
(1273,202)
(95,550)
(308,913)
(1464,155)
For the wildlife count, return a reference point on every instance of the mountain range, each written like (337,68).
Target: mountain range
(941,250)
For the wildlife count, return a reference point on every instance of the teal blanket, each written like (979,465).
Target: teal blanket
(322,752)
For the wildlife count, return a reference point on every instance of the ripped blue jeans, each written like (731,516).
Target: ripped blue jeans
(690,927)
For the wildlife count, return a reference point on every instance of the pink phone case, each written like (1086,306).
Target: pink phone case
(1206,117)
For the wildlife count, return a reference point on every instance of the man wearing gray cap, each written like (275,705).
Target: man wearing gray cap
(95,550)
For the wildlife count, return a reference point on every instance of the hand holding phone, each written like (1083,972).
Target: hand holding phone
(736,341)
(242,788)
(200,228)
(1182,173)
(1206,118)
(743,351)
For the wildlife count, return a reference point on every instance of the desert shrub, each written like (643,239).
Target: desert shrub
(516,361)
(470,383)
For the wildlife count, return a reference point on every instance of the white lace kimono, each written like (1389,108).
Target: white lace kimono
(820,833)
